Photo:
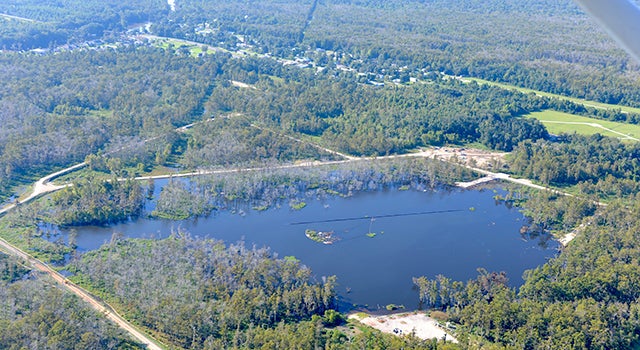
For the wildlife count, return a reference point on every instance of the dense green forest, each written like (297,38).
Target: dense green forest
(598,166)
(546,45)
(364,120)
(37,314)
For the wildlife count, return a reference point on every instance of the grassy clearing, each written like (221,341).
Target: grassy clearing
(560,97)
(559,122)
(195,49)
(101,113)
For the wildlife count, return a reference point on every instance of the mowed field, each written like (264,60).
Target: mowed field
(559,122)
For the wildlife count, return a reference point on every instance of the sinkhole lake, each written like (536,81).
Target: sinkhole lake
(452,233)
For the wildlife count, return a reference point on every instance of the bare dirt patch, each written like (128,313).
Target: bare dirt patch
(423,326)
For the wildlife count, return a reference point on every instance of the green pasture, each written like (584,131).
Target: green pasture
(194,49)
(559,122)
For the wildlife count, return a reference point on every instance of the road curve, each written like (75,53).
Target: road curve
(44,186)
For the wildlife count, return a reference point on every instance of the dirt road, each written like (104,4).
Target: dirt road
(19,18)
(241,170)
(104,309)
(44,185)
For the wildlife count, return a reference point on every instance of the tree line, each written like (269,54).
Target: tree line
(268,188)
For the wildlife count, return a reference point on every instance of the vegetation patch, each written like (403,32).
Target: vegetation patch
(178,202)
(97,202)
(261,208)
(297,205)
(393,307)
(324,237)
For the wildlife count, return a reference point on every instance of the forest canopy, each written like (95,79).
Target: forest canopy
(37,314)
(195,293)
(139,88)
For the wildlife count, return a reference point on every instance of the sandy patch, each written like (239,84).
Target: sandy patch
(400,324)
(467,156)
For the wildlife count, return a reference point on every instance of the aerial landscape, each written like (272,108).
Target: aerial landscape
(317,174)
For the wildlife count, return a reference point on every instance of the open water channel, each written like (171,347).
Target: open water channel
(446,232)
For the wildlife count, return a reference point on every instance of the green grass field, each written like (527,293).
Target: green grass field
(195,49)
(558,122)
(560,97)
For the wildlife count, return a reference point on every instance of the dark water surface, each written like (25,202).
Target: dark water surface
(449,238)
